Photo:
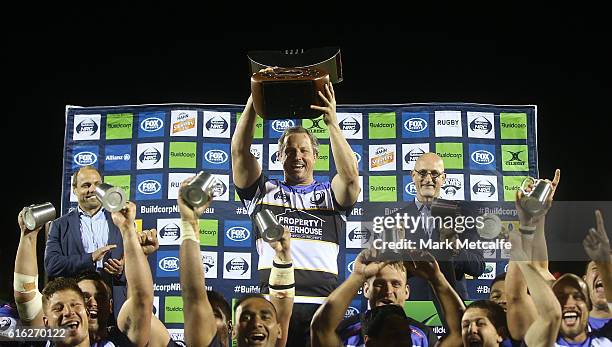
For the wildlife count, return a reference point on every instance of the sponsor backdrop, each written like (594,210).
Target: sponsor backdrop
(148,150)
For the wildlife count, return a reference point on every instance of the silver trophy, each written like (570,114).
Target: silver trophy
(534,201)
(35,216)
(268,226)
(491,226)
(112,198)
(200,190)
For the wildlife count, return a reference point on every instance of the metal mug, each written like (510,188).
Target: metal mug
(112,198)
(200,190)
(268,226)
(535,201)
(35,216)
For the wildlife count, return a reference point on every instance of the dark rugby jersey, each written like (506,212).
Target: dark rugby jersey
(315,220)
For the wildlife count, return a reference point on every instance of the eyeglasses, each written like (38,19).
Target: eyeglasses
(434,174)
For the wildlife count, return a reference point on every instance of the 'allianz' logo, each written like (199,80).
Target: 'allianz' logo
(238,233)
(169,264)
(281,125)
(85,158)
(482,157)
(350,266)
(151,124)
(149,187)
(410,189)
(215,156)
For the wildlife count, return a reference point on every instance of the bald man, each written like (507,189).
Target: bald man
(428,177)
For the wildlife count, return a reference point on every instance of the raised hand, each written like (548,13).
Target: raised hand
(329,108)
(596,243)
(526,218)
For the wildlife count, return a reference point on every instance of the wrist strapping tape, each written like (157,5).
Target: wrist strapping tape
(527,230)
(282,280)
(187,232)
(24,283)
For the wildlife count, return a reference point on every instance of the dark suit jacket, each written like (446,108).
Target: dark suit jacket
(65,255)
(453,267)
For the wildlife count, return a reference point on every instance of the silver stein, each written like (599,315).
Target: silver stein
(112,198)
(35,216)
(200,190)
(268,226)
(535,201)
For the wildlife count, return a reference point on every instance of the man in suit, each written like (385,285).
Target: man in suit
(428,177)
(87,239)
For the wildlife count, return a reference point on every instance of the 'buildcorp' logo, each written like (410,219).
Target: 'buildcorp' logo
(482,157)
(150,156)
(481,124)
(149,187)
(350,124)
(280,125)
(415,125)
(169,264)
(413,155)
(410,189)
(317,197)
(217,123)
(170,232)
(85,158)
(215,156)
(87,127)
(484,187)
(359,234)
(219,188)
(238,233)
(237,265)
(151,124)
(451,186)
(515,159)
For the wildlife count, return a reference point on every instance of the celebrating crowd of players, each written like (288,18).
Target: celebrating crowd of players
(102,293)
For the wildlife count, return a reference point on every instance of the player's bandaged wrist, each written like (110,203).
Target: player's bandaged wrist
(282,280)
(25,283)
(188,232)
(527,230)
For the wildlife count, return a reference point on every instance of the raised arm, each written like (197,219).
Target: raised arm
(345,183)
(453,307)
(200,326)
(282,284)
(597,246)
(331,313)
(134,318)
(544,329)
(245,168)
(25,283)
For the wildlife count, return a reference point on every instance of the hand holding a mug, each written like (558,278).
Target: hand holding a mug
(531,218)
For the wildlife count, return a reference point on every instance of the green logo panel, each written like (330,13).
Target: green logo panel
(515,158)
(424,312)
(381,125)
(122,181)
(258,126)
(173,309)
(182,155)
(322,162)
(513,126)
(511,185)
(317,127)
(209,228)
(119,126)
(383,188)
(451,153)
